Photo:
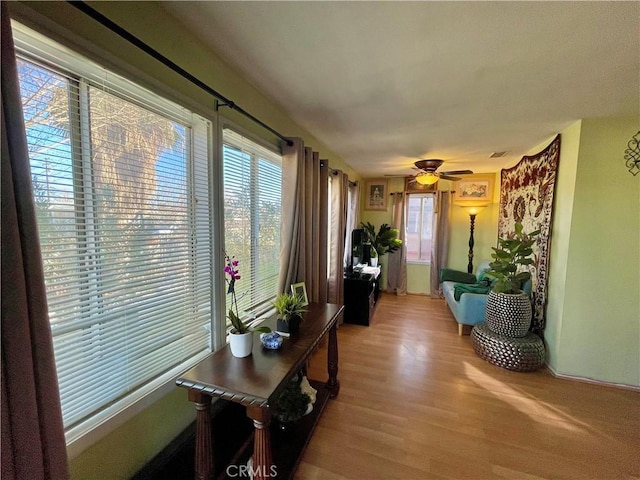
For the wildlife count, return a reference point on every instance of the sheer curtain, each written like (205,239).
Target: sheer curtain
(303,251)
(33,443)
(440,243)
(337,234)
(397,268)
(353,202)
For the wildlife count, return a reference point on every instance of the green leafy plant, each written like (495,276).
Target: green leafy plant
(232,273)
(512,253)
(292,403)
(289,306)
(386,240)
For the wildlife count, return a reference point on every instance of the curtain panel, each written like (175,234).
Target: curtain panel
(440,240)
(33,443)
(303,251)
(397,268)
(337,234)
(353,203)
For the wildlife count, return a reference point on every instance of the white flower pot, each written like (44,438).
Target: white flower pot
(241,344)
(374,261)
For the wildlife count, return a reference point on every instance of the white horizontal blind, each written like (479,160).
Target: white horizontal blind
(122,200)
(418,226)
(252,212)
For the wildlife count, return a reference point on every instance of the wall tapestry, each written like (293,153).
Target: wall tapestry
(526,196)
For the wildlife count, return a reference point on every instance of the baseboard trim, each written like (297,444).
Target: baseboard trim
(592,381)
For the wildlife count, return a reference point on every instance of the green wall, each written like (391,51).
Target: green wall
(598,336)
(128,448)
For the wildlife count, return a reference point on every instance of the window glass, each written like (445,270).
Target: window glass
(252,212)
(419,217)
(120,188)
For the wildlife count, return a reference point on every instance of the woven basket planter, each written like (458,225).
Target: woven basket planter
(522,354)
(508,314)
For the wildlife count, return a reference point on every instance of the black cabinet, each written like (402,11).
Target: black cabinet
(361,293)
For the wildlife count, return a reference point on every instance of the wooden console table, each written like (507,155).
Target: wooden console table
(254,382)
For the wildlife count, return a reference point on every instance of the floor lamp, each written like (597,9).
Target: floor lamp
(472,211)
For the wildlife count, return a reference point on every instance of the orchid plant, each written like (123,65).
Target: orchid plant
(232,273)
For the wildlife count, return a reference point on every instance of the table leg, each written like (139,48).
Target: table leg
(333,384)
(261,463)
(204,444)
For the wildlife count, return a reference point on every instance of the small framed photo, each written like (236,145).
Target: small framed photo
(476,188)
(300,290)
(376,195)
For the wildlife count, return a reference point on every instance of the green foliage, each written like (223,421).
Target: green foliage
(289,306)
(385,241)
(512,253)
(238,326)
(292,403)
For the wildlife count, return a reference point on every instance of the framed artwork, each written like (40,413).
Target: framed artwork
(300,290)
(376,194)
(474,188)
(411,185)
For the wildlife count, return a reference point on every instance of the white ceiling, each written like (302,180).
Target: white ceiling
(387,83)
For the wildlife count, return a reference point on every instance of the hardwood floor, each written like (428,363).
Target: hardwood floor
(417,403)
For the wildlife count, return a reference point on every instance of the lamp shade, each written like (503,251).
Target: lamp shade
(473,209)
(426,178)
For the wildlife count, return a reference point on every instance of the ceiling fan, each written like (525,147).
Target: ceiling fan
(428,174)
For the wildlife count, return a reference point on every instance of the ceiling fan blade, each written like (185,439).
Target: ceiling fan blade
(447,177)
(457,172)
(397,176)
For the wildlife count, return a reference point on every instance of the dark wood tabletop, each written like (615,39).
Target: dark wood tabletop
(253,380)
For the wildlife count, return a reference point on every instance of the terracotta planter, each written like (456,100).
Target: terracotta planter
(241,344)
(509,314)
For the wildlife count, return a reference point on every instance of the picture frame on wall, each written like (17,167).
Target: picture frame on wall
(376,193)
(474,188)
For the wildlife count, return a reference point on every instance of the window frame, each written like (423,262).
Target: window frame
(422,195)
(266,308)
(47,51)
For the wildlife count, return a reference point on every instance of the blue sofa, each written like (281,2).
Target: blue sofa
(469,310)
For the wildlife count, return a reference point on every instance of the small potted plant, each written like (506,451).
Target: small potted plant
(290,309)
(508,311)
(293,402)
(241,334)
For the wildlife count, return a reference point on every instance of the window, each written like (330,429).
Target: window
(120,178)
(252,212)
(419,216)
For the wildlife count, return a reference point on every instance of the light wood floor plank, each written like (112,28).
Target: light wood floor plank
(417,403)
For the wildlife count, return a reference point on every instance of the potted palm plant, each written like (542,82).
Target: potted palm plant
(290,309)
(508,311)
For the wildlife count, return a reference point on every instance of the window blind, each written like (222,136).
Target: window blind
(120,179)
(252,213)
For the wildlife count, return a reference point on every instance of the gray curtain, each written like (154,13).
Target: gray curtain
(337,234)
(33,443)
(440,240)
(397,261)
(353,207)
(303,253)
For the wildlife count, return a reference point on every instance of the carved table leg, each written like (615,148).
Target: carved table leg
(333,384)
(261,463)
(204,444)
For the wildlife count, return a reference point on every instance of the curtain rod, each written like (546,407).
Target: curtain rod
(117,29)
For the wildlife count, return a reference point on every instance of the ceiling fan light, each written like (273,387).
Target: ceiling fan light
(426,178)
